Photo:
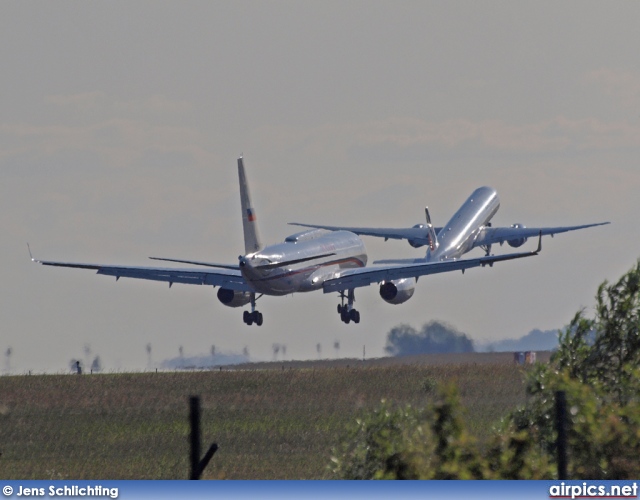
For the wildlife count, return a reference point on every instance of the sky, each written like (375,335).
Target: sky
(121,123)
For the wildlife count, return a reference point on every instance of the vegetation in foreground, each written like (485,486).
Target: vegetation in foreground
(269,423)
(596,367)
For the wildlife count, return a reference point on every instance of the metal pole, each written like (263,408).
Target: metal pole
(194,418)
(561,417)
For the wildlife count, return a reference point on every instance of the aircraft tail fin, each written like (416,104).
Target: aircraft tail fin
(251,236)
(433,237)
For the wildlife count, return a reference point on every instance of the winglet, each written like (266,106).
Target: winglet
(539,249)
(30,255)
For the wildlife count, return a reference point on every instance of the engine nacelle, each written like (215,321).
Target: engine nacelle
(414,243)
(518,242)
(233,298)
(397,291)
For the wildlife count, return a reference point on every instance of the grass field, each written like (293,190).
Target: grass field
(271,421)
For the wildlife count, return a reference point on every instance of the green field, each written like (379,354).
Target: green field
(271,421)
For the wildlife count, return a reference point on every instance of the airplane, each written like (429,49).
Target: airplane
(332,260)
(469,228)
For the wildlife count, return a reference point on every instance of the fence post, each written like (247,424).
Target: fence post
(197,465)
(561,418)
(194,419)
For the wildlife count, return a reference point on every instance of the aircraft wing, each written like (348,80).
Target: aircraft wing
(365,276)
(226,278)
(490,235)
(416,234)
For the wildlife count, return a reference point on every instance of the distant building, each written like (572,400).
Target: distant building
(524,357)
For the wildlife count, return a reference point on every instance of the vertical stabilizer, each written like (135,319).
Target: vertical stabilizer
(251,238)
(433,237)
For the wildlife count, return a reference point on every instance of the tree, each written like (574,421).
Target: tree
(96,365)
(606,348)
(8,354)
(435,337)
(597,367)
(149,361)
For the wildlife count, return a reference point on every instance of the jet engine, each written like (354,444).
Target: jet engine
(397,291)
(518,242)
(233,298)
(414,243)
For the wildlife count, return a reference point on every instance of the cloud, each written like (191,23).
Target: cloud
(119,143)
(622,85)
(81,101)
(414,139)
(405,138)
(97,101)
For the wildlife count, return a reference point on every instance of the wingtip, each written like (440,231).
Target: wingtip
(30,254)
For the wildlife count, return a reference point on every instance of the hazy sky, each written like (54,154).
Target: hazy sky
(121,123)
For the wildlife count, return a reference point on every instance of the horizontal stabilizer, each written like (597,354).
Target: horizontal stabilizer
(416,234)
(198,263)
(291,262)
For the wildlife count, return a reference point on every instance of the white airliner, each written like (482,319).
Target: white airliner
(334,259)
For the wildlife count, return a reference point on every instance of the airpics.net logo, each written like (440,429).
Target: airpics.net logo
(586,490)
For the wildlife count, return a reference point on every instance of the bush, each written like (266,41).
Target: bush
(596,367)
(410,443)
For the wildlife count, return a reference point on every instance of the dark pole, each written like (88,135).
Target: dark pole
(561,417)
(197,465)
(194,418)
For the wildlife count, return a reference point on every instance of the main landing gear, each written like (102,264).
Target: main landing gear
(254,316)
(346,311)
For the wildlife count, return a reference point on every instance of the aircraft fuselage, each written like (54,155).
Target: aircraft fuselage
(458,235)
(320,255)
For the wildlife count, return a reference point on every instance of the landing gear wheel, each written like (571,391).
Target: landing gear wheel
(344,316)
(257,318)
(354,316)
(339,308)
(252,317)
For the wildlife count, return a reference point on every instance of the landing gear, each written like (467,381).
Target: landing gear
(346,311)
(254,316)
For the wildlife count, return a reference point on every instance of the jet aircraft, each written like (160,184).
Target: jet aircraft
(334,259)
(469,228)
